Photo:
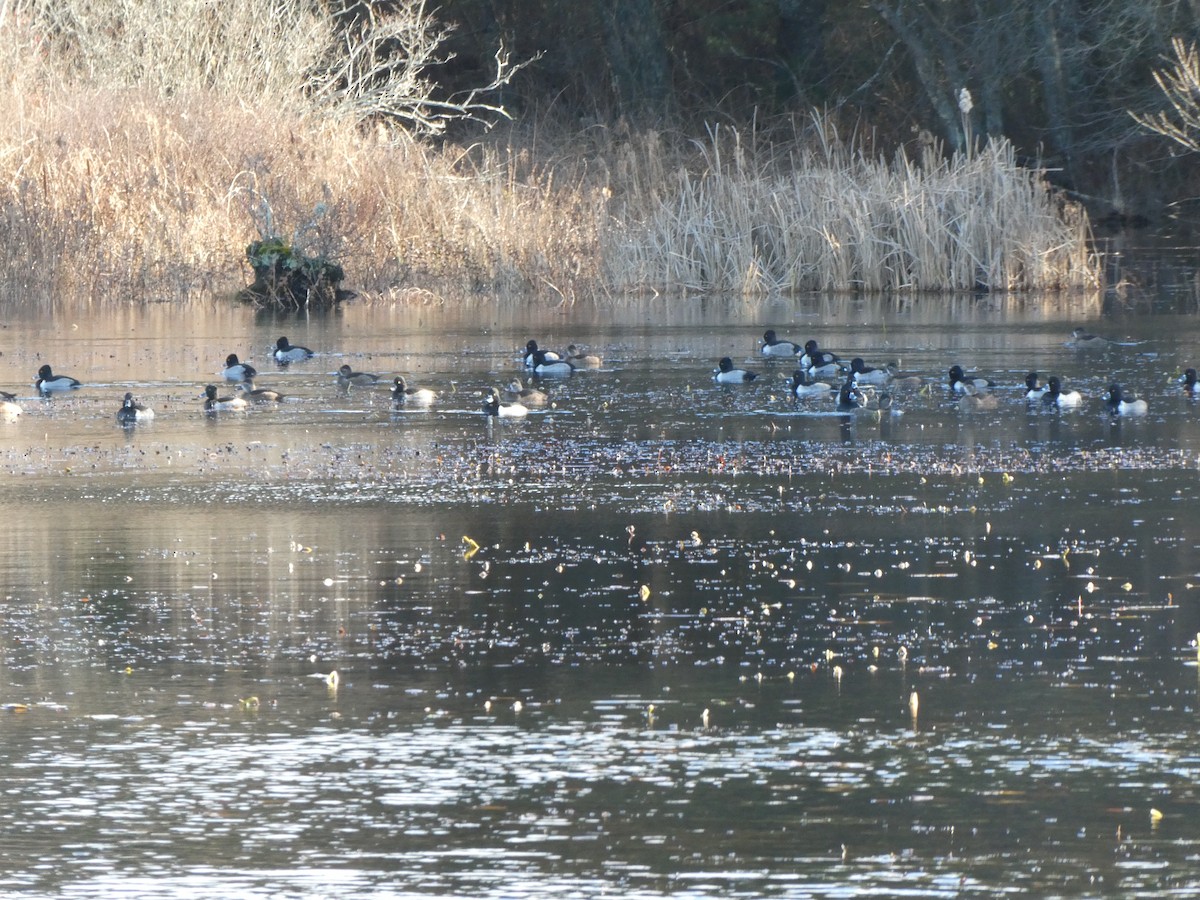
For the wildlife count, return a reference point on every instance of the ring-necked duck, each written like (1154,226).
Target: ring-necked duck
(802,386)
(131,411)
(286,352)
(402,393)
(529,396)
(544,365)
(1120,405)
(1056,396)
(725,373)
(532,354)
(1034,389)
(1189,382)
(579,359)
(864,374)
(975,400)
(959,381)
(820,363)
(850,398)
(1084,340)
(773,346)
(493,407)
(213,403)
(346,376)
(9,408)
(235,370)
(47,381)
(257,395)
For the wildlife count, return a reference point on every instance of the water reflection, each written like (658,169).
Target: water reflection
(658,638)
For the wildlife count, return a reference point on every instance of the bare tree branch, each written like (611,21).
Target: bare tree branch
(1180,85)
(381,73)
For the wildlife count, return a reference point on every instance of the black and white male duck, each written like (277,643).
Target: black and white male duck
(959,382)
(864,374)
(850,398)
(236,370)
(213,403)
(403,395)
(1119,404)
(1056,396)
(802,386)
(1191,386)
(725,373)
(774,346)
(287,352)
(132,412)
(533,354)
(493,407)
(47,382)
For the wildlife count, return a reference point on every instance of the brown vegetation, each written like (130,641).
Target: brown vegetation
(123,183)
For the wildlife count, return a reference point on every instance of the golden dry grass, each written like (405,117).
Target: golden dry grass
(120,183)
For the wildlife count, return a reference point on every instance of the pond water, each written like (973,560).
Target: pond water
(660,638)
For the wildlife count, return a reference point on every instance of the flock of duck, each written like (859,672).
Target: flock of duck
(241,373)
(852,385)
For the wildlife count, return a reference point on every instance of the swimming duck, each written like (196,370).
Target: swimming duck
(47,381)
(814,358)
(493,407)
(529,396)
(864,374)
(286,352)
(403,394)
(581,360)
(850,398)
(544,365)
(213,403)
(959,381)
(1081,339)
(9,408)
(346,376)
(725,373)
(531,354)
(236,370)
(803,386)
(257,395)
(1056,396)
(1190,386)
(1120,405)
(131,411)
(975,400)
(1034,389)
(773,346)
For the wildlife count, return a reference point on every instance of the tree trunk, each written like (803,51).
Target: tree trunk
(939,73)
(637,57)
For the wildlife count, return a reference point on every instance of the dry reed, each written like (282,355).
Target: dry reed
(143,176)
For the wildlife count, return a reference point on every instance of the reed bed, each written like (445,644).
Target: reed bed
(122,181)
(832,219)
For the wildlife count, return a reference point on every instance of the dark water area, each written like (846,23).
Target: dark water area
(662,637)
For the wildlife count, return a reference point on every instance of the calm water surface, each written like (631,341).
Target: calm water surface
(661,638)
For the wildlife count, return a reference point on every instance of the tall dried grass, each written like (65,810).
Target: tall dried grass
(831,219)
(137,155)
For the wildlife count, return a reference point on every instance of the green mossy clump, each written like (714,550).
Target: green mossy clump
(289,279)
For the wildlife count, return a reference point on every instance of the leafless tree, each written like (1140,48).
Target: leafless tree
(382,72)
